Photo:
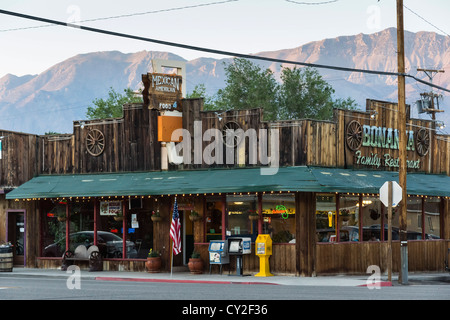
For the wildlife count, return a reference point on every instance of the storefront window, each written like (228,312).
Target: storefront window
(239,209)
(278,211)
(213,218)
(414,218)
(81,224)
(432,218)
(326,218)
(110,229)
(372,219)
(53,228)
(140,227)
(349,216)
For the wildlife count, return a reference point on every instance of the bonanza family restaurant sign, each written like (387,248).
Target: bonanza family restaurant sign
(358,136)
(162,91)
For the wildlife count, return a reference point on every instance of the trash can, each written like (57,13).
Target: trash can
(6,257)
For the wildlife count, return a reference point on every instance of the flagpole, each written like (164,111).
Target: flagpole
(171,261)
(175,233)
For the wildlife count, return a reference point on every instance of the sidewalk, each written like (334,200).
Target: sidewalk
(186,277)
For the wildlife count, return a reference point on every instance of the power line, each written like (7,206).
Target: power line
(129,15)
(426,21)
(213,51)
(312,3)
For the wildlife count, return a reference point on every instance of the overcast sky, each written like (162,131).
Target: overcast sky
(245,26)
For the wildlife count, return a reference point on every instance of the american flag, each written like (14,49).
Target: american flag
(175,228)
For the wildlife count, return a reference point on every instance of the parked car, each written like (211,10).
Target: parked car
(109,244)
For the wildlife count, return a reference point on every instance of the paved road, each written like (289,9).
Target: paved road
(31,288)
(207,300)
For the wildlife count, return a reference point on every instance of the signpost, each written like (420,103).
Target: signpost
(390,196)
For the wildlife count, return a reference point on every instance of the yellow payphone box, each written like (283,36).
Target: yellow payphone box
(263,246)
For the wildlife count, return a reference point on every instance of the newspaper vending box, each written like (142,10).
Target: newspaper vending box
(263,246)
(218,253)
(239,246)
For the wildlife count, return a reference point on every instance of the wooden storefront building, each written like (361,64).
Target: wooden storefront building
(313,184)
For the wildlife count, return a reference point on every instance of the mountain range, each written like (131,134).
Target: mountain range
(53,99)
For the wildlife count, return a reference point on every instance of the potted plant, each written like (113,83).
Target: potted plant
(195,263)
(253,216)
(345,214)
(194,216)
(153,263)
(118,216)
(155,216)
(61,216)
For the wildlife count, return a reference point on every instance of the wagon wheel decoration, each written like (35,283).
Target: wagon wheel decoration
(95,142)
(231,125)
(353,135)
(422,142)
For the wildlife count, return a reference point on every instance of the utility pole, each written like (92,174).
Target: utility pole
(430,96)
(403,275)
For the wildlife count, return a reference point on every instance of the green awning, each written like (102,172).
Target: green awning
(359,181)
(303,179)
(166,182)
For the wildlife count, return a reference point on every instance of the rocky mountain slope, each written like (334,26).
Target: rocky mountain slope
(51,100)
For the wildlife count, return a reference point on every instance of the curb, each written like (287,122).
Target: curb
(181,281)
(377,284)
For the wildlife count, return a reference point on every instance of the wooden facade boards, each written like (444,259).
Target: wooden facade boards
(130,143)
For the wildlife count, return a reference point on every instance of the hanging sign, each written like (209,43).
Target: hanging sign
(110,208)
(162,91)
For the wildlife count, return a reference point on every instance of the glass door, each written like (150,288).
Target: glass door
(16,235)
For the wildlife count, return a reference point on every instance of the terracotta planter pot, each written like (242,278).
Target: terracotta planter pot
(153,264)
(194,218)
(195,265)
(156,219)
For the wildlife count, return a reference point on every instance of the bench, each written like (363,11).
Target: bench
(82,254)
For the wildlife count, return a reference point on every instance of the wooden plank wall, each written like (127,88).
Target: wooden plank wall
(31,228)
(386,115)
(18,158)
(357,257)
(131,141)
(130,145)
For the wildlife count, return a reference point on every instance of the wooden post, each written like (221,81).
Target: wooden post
(124,231)
(389,251)
(95,221)
(224,216)
(260,231)
(67,226)
(403,275)
(305,245)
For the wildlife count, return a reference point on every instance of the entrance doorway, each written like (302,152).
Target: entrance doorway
(16,235)
(187,240)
